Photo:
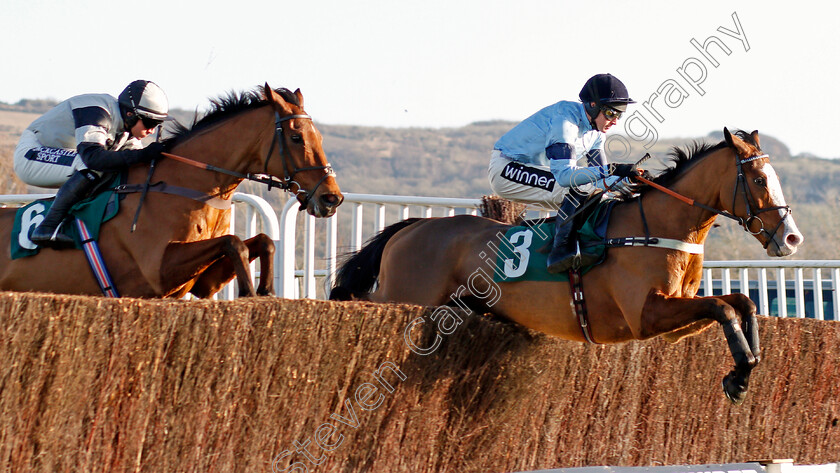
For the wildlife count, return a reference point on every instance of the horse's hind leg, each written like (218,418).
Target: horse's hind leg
(663,314)
(222,271)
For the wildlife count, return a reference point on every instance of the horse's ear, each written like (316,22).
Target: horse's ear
(728,137)
(740,146)
(276,98)
(754,135)
(299,97)
(268,92)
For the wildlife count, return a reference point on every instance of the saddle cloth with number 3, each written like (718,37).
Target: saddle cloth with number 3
(518,257)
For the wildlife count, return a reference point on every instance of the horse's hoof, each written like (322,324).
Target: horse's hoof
(735,390)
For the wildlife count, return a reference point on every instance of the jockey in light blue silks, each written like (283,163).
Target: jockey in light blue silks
(537,160)
(71,145)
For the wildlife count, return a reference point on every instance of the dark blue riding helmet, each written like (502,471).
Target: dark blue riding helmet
(604,90)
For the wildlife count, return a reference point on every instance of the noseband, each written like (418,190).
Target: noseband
(288,177)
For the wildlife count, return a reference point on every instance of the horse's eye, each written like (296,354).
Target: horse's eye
(297,139)
(760,181)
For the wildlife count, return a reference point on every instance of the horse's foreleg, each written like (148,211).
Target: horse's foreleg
(222,271)
(663,314)
(183,262)
(739,379)
(746,307)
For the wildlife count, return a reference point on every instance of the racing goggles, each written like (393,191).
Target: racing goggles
(611,113)
(149,123)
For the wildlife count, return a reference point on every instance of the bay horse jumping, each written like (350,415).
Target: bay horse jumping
(636,293)
(181,244)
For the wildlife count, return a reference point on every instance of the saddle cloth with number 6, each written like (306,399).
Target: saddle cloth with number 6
(518,257)
(93,211)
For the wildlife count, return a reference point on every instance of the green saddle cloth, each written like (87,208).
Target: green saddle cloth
(94,211)
(518,257)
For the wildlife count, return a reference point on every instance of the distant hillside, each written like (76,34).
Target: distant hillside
(29,105)
(452,162)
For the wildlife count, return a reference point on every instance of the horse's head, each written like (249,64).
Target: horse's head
(757,197)
(302,162)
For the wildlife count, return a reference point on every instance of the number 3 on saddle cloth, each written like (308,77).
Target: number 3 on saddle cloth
(85,220)
(519,256)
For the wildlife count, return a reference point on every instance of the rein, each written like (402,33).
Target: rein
(261,178)
(741,184)
(264,178)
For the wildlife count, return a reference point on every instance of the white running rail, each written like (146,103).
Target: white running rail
(301,260)
(403,205)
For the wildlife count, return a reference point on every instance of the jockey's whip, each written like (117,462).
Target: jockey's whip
(643,160)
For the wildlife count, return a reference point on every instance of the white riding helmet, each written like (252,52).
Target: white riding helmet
(145,99)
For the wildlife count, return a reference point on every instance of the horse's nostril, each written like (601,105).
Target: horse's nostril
(794,239)
(330,200)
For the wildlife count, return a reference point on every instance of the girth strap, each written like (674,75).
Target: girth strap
(210,200)
(95,260)
(579,304)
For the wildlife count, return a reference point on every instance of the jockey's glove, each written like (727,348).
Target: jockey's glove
(153,151)
(625,189)
(623,170)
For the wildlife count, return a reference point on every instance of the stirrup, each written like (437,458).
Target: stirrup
(573,260)
(565,261)
(55,240)
(576,257)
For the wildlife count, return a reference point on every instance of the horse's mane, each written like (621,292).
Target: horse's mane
(223,108)
(683,159)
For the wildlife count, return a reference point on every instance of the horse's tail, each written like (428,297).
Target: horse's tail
(359,271)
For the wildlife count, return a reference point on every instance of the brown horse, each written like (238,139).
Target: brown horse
(181,244)
(636,293)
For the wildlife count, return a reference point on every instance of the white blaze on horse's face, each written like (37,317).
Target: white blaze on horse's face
(787,239)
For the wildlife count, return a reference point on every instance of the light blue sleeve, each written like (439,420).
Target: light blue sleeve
(563,160)
(610,180)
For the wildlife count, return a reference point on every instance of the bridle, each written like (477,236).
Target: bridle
(288,181)
(753,210)
(288,177)
(749,202)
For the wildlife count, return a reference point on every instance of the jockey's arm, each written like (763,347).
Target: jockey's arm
(96,157)
(563,165)
(92,124)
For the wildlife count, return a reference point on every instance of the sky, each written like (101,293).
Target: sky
(754,65)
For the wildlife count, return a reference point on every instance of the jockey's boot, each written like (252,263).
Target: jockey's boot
(75,189)
(565,252)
